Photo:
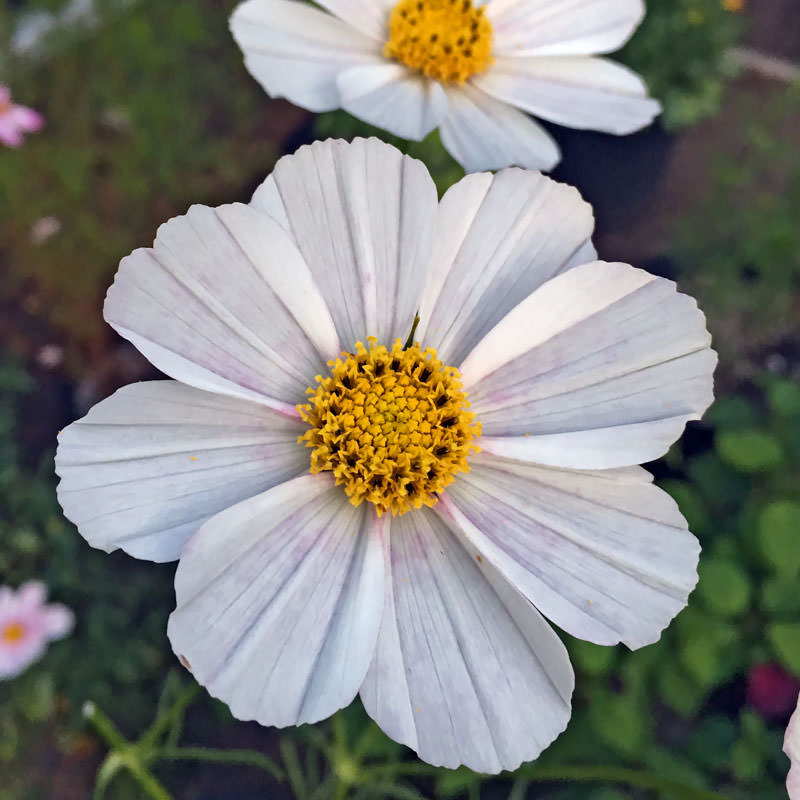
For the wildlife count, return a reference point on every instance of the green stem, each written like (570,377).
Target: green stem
(341,791)
(294,771)
(166,719)
(125,752)
(105,727)
(401,768)
(248,758)
(630,777)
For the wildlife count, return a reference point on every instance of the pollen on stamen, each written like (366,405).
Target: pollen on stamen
(448,40)
(392,426)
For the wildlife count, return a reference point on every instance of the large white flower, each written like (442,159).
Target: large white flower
(409,66)
(791,746)
(266,466)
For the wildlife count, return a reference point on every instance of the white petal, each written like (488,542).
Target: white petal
(368,16)
(483,133)
(605,555)
(562,27)
(279,602)
(150,464)
(577,92)
(58,621)
(601,367)
(30,597)
(392,97)
(791,746)
(15,660)
(498,238)
(224,302)
(363,216)
(466,671)
(296,51)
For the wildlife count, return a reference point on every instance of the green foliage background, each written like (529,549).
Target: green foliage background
(133,138)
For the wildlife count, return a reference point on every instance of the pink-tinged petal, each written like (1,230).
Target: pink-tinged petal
(26,119)
(363,216)
(482,133)
(498,238)
(578,92)
(296,51)
(466,671)
(791,746)
(224,302)
(605,555)
(368,16)
(30,597)
(279,602)
(562,27)
(150,464)
(57,621)
(5,95)
(15,659)
(9,133)
(601,367)
(391,97)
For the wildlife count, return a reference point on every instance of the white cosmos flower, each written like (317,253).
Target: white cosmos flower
(791,746)
(290,598)
(409,66)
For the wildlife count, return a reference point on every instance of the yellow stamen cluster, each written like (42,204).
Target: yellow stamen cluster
(449,40)
(12,633)
(392,426)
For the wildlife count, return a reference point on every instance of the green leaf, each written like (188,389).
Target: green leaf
(748,753)
(724,587)
(719,484)
(451,783)
(689,501)
(621,721)
(731,413)
(665,762)
(780,596)
(785,639)
(779,537)
(784,398)
(711,742)
(749,450)
(593,659)
(679,690)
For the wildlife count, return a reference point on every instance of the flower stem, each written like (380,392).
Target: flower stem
(124,753)
(166,719)
(247,758)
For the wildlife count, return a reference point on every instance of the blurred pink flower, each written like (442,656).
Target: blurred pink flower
(16,120)
(27,624)
(771,690)
(791,746)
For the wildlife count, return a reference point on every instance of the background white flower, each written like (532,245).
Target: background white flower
(409,66)
(290,600)
(791,746)
(27,624)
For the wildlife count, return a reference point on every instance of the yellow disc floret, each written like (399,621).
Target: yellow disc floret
(391,425)
(449,40)
(12,633)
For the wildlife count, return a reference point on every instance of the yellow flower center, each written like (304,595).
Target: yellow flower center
(391,425)
(13,633)
(449,40)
